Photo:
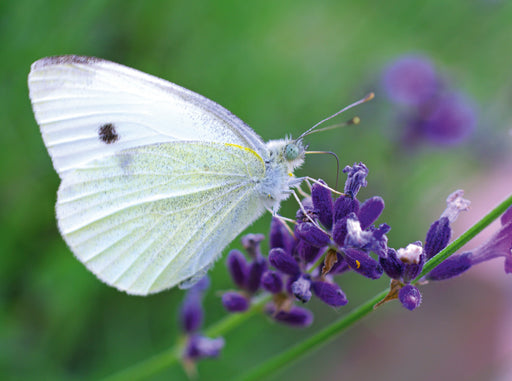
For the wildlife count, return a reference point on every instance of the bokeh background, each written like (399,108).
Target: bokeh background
(281,66)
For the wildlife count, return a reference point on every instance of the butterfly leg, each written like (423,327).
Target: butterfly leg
(324,185)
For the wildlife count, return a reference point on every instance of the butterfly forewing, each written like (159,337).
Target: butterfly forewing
(88,107)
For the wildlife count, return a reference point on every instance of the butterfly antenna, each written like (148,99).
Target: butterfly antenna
(337,163)
(360,101)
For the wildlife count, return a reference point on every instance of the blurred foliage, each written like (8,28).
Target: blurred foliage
(279,65)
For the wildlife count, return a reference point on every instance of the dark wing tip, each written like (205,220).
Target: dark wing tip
(59,60)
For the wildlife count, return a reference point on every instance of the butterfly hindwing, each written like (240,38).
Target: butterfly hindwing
(145,219)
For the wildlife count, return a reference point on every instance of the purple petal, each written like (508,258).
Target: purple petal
(499,245)
(345,205)
(506,218)
(296,316)
(356,178)
(271,281)
(191,312)
(308,232)
(393,267)
(251,244)
(301,289)
(372,239)
(363,264)
(322,201)
(238,267)
(438,237)
(256,269)
(455,204)
(234,302)
(451,267)
(203,347)
(369,211)
(410,297)
(307,253)
(280,236)
(339,231)
(329,293)
(283,262)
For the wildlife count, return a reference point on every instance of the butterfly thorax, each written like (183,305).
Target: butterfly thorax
(283,156)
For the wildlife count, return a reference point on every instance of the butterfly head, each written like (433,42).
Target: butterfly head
(287,151)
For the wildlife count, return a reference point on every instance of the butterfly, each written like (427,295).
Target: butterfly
(156,180)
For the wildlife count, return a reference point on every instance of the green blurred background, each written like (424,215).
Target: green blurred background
(281,66)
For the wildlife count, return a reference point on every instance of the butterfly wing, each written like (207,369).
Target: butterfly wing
(88,107)
(156,180)
(147,218)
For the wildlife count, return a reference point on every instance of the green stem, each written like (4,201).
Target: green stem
(327,334)
(157,363)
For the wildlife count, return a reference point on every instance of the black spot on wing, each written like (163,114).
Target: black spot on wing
(108,134)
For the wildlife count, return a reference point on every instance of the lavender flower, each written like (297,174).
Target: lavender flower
(435,113)
(405,264)
(410,80)
(499,245)
(450,120)
(197,346)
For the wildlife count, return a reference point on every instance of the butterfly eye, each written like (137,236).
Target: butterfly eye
(291,151)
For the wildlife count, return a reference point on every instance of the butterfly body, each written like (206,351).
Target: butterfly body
(156,180)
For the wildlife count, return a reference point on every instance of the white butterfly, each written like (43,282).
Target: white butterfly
(156,179)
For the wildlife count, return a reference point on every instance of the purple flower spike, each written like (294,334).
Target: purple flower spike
(322,201)
(238,268)
(363,264)
(410,297)
(410,80)
(283,261)
(280,236)
(312,235)
(329,293)
(301,289)
(451,267)
(356,178)
(251,244)
(296,316)
(191,313)
(452,119)
(199,347)
(271,281)
(369,211)
(393,267)
(343,206)
(438,237)
(234,302)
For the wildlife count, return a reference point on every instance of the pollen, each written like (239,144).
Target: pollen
(358,264)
